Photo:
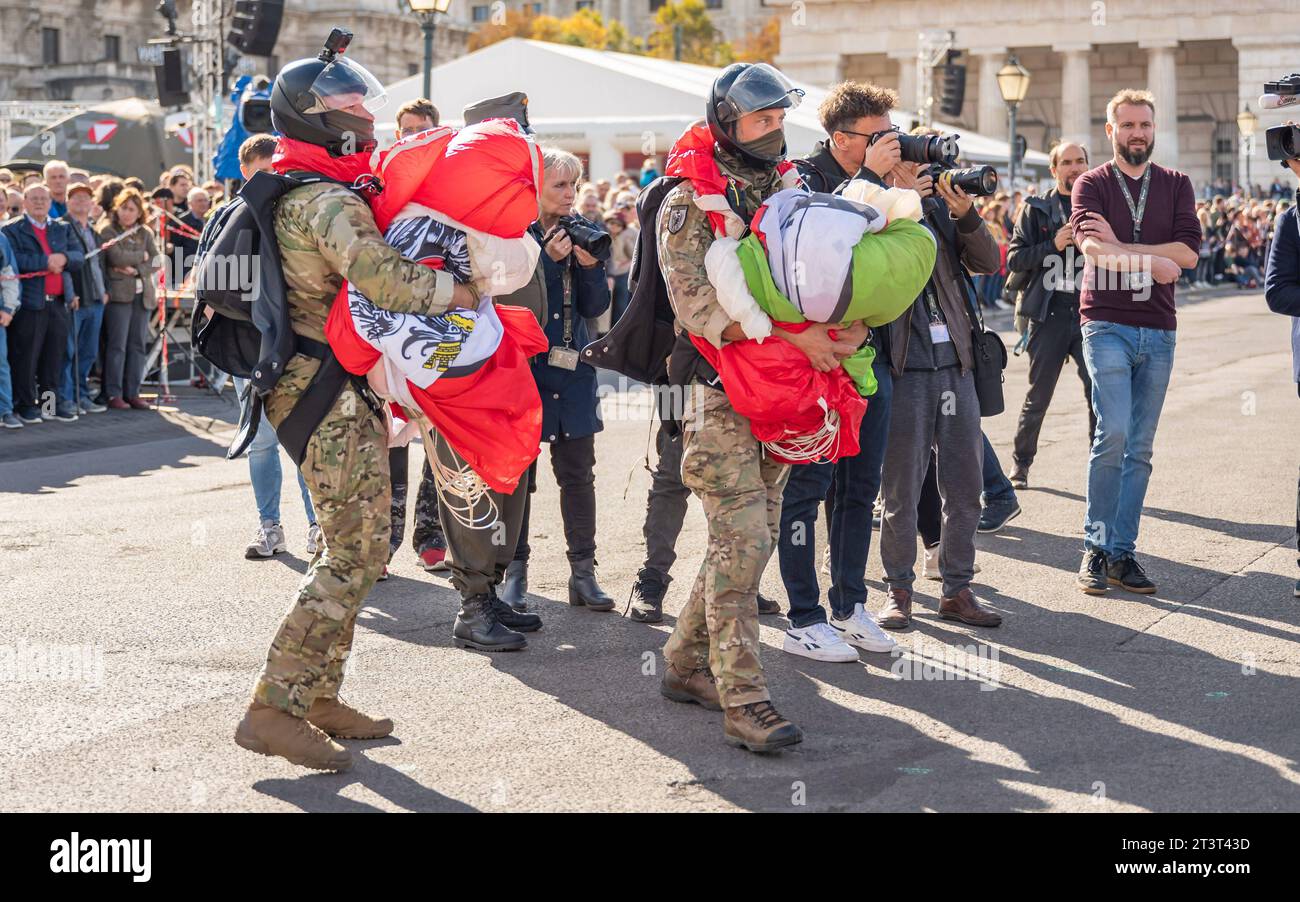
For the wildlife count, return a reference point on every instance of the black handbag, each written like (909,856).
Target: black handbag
(990,358)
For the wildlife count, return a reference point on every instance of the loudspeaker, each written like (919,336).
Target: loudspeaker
(255,26)
(173,86)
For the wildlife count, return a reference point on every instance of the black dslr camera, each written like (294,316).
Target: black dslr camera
(1283,141)
(584,235)
(977,181)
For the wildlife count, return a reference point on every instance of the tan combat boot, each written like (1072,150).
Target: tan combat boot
(270,731)
(691,686)
(339,719)
(759,728)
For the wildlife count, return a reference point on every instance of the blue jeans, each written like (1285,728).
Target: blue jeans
(83,338)
(265,473)
(1130,368)
(857,480)
(997,488)
(6,381)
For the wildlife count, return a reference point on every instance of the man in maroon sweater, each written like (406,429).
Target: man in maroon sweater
(1136,225)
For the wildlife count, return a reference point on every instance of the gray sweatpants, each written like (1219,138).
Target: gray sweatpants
(940,410)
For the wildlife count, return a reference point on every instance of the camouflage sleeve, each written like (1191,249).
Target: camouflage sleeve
(684,235)
(346,235)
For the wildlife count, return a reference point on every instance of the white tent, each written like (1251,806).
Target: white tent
(607,104)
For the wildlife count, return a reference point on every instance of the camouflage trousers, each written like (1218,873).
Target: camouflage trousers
(740,488)
(346,471)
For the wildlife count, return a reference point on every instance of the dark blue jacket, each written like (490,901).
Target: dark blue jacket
(31,257)
(569,408)
(1282,279)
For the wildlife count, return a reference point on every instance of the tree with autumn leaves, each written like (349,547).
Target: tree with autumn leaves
(700,39)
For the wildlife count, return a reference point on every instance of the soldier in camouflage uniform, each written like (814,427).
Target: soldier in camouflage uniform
(713,654)
(326,234)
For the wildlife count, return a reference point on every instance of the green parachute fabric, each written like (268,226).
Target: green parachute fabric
(889,269)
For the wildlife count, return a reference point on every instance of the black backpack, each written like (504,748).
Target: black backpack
(241,311)
(639,344)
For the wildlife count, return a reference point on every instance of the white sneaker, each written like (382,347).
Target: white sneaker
(819,642)
(269,541)
(314,538)
(826,561)
(930,570)
(860,630)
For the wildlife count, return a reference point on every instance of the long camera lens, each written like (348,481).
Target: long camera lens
(586,236)
(926,149)
(977,181)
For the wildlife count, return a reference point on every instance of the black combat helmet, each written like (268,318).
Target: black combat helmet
(311,96)
(744,88)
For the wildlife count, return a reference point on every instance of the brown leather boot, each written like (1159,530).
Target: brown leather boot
(338,718)
(696,687)
(965,608)
(270,731)
(897,612)
(759,728)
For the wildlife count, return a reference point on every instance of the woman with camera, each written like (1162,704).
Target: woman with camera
(576,290)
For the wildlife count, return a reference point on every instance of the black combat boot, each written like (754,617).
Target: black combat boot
(647,604)
(519,621)
(515,585)
(477,627)
(583,588)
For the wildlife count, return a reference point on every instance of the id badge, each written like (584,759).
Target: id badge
(1139,280)
(563,358)
(139,286)
(939,333)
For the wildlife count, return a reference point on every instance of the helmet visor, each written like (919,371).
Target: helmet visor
(760,87)
(343,84)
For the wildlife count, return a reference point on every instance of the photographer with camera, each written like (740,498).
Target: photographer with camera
(1043,259)
(576,291)
(1282,283)
(851,114)
(935,404)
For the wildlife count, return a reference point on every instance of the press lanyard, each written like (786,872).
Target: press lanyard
(1139,210)
(566,278)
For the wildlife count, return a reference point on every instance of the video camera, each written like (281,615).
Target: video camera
(1282,141)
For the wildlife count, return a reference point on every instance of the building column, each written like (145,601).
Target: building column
(992,121)
(1076,95)
(1162,81)
(906,61)
(605,158)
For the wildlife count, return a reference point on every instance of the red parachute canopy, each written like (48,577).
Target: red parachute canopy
(492,416)
(775,387)
(470,174)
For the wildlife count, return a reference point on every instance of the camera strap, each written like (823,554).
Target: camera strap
(1138,210)
(566,278)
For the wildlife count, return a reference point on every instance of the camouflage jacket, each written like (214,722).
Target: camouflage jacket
(684,236)
(327,234)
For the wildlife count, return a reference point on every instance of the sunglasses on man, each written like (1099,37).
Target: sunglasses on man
(872,137)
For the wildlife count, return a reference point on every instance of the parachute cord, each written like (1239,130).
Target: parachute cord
(459,488)
(815,446)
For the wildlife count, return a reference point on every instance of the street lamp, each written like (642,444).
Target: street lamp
(1013,84)
(1246,122)
(427,11)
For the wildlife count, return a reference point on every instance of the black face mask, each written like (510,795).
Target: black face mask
(361,130)
(768,147)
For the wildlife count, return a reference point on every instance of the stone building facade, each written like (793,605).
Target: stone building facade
(1203,58)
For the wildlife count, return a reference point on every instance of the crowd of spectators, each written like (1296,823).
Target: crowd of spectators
(82,257)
